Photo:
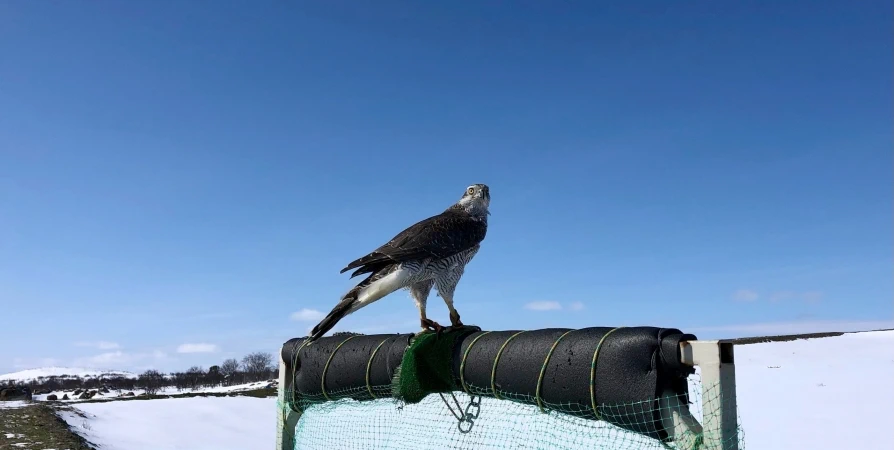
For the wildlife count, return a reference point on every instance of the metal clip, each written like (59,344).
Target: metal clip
(469,416)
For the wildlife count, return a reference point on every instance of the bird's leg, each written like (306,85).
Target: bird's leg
(431,325)
(455,323)
(419,291)
(454,318)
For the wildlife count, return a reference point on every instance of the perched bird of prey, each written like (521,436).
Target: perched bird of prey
(432,252)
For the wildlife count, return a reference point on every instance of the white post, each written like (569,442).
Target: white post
(718,373)
(286,419)
(685,431)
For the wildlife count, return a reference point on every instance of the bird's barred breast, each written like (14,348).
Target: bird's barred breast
(446,268)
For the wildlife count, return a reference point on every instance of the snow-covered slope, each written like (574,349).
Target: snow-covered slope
(168,390)
(44,372)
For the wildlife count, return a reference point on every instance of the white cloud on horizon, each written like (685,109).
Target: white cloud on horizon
(750,295)
(307,315)
(118,360)
(197,348)
(102,345)
(110,358)
(553,306)
(543,306)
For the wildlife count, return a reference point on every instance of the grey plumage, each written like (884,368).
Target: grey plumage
(430,253)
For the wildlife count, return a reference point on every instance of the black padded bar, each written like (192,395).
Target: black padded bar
(634,366)
(347,368)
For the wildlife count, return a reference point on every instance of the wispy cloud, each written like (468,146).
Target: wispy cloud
(307,315)
(119,359)
(554,306)
(550,305)
(745,295)
(749,295)
(543,306)
(110,358)
(197,348)
(102,345)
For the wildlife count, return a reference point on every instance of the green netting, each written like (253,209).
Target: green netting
(425,368)
(425,409)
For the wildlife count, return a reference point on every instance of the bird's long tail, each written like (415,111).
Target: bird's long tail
(342,309)
(377,285)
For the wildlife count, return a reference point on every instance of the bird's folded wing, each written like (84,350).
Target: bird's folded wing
(438,237)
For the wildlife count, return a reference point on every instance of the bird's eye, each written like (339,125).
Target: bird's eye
(470,191)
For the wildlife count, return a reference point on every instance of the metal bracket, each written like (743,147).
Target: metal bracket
(716,362)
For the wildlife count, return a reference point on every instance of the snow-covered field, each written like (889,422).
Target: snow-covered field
(196,423)
(169,390)
(827,393)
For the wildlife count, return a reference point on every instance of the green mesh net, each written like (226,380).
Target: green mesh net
(452,416)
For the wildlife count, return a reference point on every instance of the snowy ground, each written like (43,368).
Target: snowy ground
(196,423)
(828,393)
(165,391)
(13,404)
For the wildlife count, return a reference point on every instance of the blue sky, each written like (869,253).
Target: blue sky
(179,179)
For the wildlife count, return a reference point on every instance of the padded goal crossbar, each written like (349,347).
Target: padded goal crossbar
(581,372)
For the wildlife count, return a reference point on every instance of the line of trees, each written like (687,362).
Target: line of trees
(257,366)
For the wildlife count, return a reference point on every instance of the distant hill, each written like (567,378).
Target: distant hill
(63,372)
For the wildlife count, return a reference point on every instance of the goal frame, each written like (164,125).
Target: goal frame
(714,358)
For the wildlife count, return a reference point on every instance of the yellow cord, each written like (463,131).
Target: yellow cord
(369,364)
(493,371)
(462,364)
(543,369)
(593,373)
(326,367)
(293,401)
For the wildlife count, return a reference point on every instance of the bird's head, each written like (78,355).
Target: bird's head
(476,200)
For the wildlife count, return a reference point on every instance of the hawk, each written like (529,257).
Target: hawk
(430,253)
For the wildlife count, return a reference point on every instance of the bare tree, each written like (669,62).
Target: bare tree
(257,365)
(195,376)
(213,377)
(229,367)
(151,381)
